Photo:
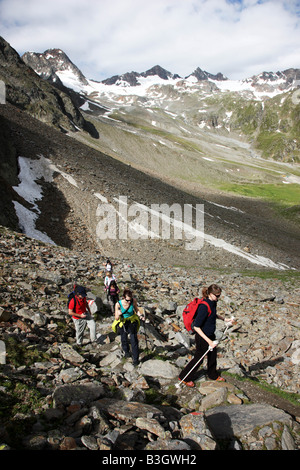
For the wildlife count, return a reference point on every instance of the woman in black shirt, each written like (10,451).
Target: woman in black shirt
(204,326)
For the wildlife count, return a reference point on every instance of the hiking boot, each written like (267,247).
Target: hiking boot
(136,363)
(220,379)
(188,384)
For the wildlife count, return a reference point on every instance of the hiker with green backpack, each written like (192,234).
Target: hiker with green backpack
(204,326)
(127,321)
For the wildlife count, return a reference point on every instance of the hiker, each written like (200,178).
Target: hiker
(204,326)
(113,294)
(108,265)
(107,280)
(81,315)
(128,317)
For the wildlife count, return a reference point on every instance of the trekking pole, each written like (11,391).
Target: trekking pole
(209,349)
(230,323)
(144,325)
(144,321)
(223,334)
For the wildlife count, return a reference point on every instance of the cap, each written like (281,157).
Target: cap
(81,291)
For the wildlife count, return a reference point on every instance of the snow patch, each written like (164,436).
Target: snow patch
(27,220)
(31,171)
(31,191)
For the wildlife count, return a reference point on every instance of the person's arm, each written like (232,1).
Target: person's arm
(136,309)
(72,313)
(231,320)
(210,342)
(200,319)
(118,312)
(77,315)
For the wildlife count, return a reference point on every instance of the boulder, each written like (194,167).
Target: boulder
(196,433)
(82,393)
(158,368)
(237,420)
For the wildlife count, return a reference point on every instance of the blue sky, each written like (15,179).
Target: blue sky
(239,38)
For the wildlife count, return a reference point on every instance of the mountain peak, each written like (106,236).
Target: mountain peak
(49,63)
(160,72)
(132,78)
(200,74)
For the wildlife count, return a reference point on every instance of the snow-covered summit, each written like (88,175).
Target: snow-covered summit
(55,65)
(52,63)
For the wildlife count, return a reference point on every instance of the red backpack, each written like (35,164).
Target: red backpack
(190,311)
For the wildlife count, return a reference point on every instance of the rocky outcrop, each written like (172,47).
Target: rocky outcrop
(27,91)
(46,64)
(8,177)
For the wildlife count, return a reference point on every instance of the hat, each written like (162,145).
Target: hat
(81,291)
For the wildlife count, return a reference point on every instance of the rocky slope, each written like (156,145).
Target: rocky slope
(61,398)
(240,234)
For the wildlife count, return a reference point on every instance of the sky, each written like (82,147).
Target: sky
(238,38)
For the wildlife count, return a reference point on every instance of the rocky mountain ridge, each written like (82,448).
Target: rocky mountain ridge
(26,90)
(53,61)
(258,109)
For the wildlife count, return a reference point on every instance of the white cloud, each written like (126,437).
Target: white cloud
(108,37)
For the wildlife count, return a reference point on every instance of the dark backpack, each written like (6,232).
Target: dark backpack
(189,312)
(72,296)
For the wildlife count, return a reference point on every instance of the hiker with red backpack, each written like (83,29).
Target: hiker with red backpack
(204,326)
(80,312)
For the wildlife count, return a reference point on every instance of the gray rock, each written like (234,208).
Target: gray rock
(69,354)
(157,368)
(151,425)
(90,442)
(296,357)
(196,433)
(184,339)
(2,353)
(237,420)
(287,441)
(82,393)
(4,315)
(168,444)
(214,399)
(71,375)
